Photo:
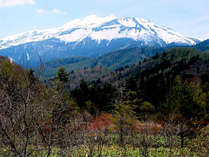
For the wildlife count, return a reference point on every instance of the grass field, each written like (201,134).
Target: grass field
(158,147)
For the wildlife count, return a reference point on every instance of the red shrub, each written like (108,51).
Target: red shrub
(100,123)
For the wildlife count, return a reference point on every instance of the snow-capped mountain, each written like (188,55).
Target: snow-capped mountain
(90,36)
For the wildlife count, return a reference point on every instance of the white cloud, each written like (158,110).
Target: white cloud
(53,11)
(57,11)
(11,3)
(42,11)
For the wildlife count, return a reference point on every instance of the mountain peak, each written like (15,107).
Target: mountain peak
(88,21)
(90,36)
(102,28)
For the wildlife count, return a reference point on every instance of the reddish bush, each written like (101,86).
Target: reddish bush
(100,123)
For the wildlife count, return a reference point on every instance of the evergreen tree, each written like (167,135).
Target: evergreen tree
(146,108)
(62,75)
(184,103)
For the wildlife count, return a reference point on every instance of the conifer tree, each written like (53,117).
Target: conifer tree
(62,75)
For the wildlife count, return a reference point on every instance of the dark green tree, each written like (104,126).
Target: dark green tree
(184,102)
(62,75)
(146,108)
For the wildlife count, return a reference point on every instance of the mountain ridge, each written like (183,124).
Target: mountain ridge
(95,23)
(89,37)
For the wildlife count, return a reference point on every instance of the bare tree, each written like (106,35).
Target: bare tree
(18,109)
(170,132)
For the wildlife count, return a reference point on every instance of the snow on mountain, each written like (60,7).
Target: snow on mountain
(98,29)
(91,36)
(89,21)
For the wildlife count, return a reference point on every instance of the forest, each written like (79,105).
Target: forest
(158,107)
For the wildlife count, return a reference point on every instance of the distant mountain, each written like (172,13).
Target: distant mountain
(158,72)
(203,46)
(112,60)
(183,61)
(89,37)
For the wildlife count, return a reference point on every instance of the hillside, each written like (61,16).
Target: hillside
(155,77)
(174,61)
(152,81)
(111,61)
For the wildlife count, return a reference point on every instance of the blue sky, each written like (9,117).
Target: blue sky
(188,17)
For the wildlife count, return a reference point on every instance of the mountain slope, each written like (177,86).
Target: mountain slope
(187,63)
(203,46)
(111,61)
(89,37)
